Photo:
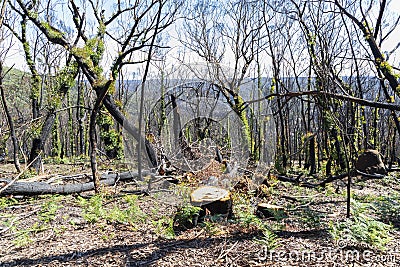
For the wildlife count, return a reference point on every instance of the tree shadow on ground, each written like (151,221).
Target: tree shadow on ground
(72,256)
(147,258)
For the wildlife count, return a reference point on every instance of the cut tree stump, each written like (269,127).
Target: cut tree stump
(270,211)
(213,200)
(370,162)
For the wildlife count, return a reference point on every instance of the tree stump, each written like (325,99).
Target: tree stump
(213,200)
(371,162)
(270,211)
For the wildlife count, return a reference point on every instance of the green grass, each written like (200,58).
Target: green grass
(7,201)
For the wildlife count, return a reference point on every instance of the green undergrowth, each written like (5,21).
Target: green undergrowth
(374,216)
(44,216)
(362,229)
(244,215)
(164,227)
(385,207)
(95,209)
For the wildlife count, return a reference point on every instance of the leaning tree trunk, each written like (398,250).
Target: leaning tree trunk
(39,142)
(110,105)
(35,157)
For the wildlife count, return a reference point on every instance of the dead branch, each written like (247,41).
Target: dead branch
(297,181)
(301,182)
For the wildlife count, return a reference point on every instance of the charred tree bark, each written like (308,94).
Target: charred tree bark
(177,122)
(38,143)
(110,105)
(80,116)
(312,157)
(10,122)
(92,134)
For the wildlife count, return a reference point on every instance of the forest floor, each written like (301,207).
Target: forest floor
(119,228)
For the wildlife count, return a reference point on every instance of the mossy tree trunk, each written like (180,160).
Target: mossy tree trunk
(111,138)
(88,57)
(34,94)
(64,80)
(35,76)
(242,111)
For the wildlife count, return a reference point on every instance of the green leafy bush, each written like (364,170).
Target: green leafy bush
(186,217)
(164,227)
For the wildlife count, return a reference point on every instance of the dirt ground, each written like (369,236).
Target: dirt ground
(74,230)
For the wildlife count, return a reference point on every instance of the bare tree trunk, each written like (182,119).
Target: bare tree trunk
(93,144)
(178,138)
(40,188)
(313,166)
(93,137)
(10,122)
(141,109)
(80,117)
(3,98)
(70,151)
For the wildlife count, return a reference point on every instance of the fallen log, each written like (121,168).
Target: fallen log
(41,188)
